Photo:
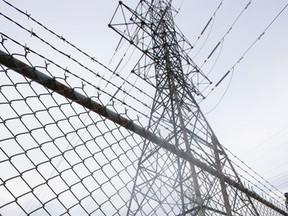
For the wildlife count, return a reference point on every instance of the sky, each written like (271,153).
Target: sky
(248,111)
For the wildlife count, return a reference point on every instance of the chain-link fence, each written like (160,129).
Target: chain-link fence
(57,157)
(69,144)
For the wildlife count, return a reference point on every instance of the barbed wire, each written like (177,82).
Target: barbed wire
(41,189)
(34,34)
(63,145)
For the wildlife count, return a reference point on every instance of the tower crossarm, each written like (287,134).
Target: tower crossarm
(139,29)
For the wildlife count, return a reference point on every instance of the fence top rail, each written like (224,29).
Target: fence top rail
(49,82)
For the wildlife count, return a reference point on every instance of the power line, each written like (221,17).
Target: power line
(210,22)
(245,53)
(258,184)
(258,38)
(269,139)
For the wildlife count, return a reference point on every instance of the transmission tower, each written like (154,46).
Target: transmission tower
(69,146)
(166,184)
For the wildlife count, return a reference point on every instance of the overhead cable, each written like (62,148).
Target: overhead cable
(246,51)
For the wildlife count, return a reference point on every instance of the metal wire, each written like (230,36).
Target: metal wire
(56,156)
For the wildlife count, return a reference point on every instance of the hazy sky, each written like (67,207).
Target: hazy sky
(251,120)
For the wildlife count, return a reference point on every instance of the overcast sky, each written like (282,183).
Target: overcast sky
(251,119)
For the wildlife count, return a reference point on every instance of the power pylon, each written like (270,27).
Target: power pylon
(166,184)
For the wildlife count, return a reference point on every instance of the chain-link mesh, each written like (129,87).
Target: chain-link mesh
(56,156)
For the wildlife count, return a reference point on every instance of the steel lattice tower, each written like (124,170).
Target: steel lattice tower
(165,183)
(80,142)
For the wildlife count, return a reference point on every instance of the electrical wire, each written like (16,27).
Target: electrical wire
(179,8)
(259,37)
(221,41)
(226,75)
(284,144)
(277,134)
(232,69)
(246,51)
(220,44)
(275,168)
(223,95)
(269,187)
(211,19)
